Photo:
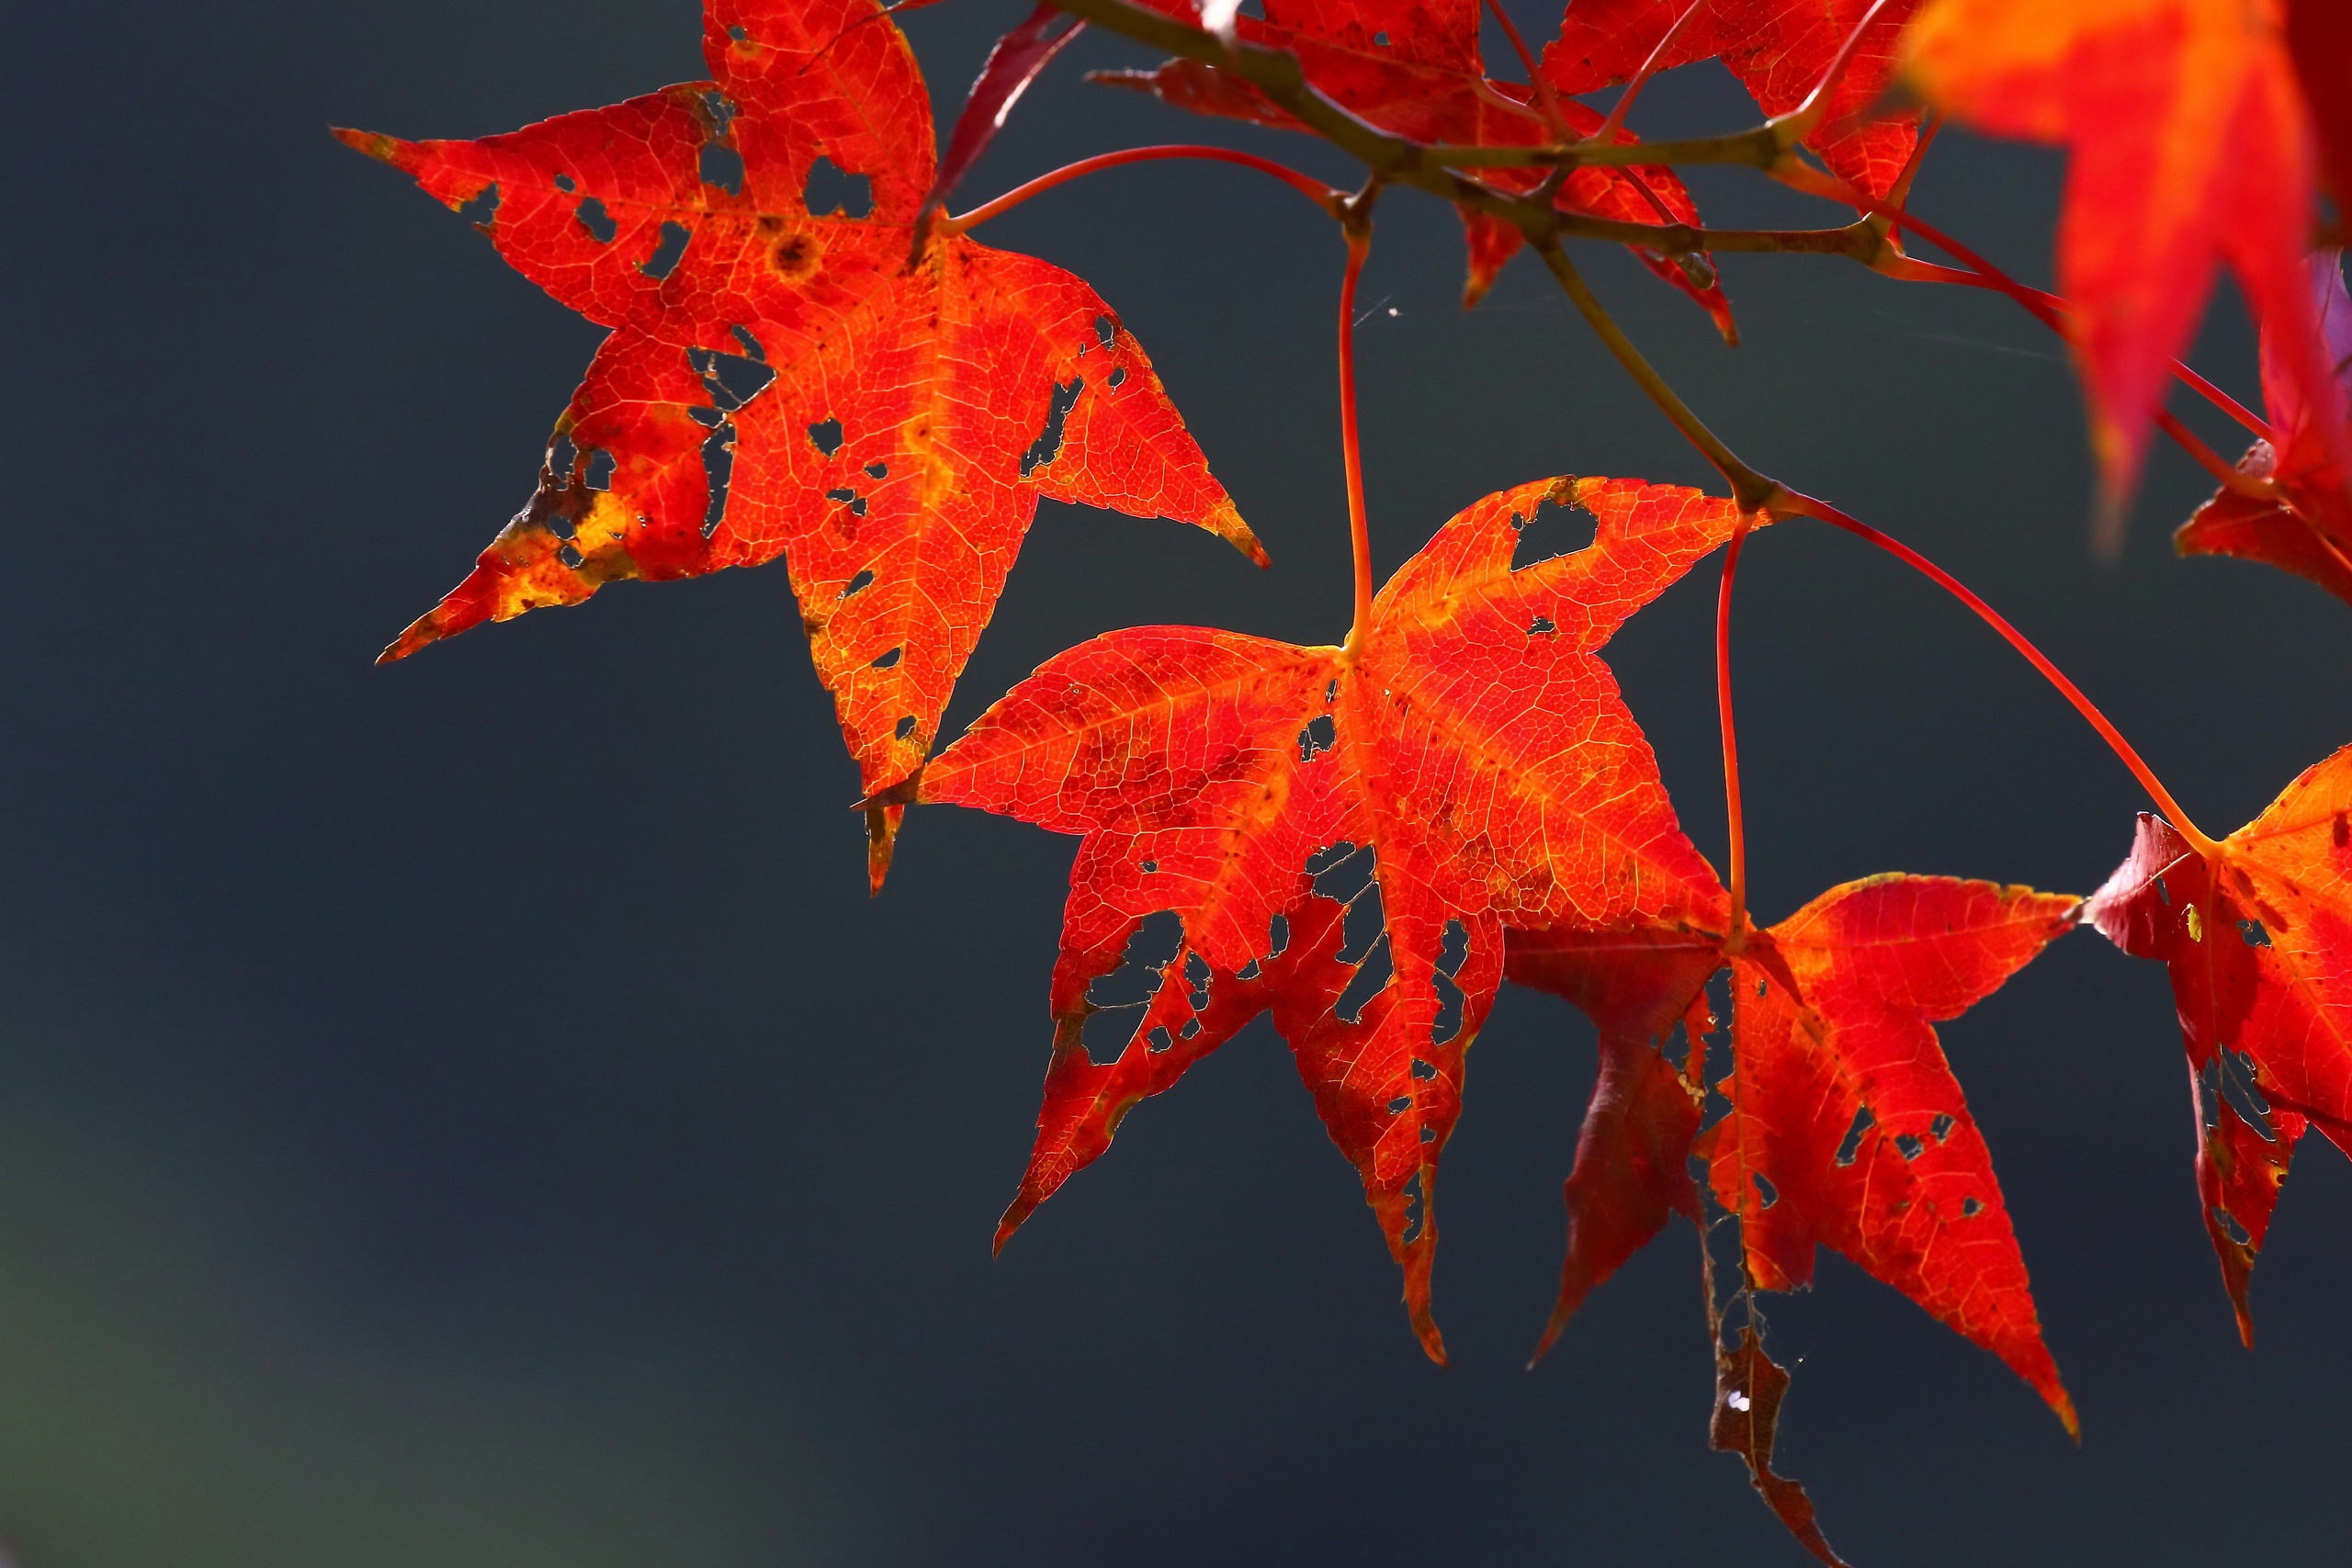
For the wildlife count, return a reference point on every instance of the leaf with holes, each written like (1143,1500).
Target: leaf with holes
(2258,941)
(2305,523)
(1414,69)
(885,424)
(1846,1126)
(1471,763)
(1780,50)
(2191,145)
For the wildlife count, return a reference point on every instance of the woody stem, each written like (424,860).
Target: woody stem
(1751,489)
(1803,505)
(1734,818)
(1360,536)
(1314,190)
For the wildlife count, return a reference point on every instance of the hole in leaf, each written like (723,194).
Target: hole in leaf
(1452,950)
(596,221)
(1118,995)
(482,206)
(561,457)
(1399,1105)
(1553,531)
(718,471)
(1416,1212)
(1970,1207)
(721,165)
(1197,976)
(1149,867)
(906,727)
(1851,1147)
(570,556)
(1107,330)
(1048,445)
(731,379)
(2229,1223)
(738,34)
(888,661)
(2254,934)
(1380,39)
(1249,971)
(1192,1027)
(1543,625)
(721,110)
(1340,872)
(566,184)
(668,254)
(1765,1193)
(751,348)
(878,470)
(860,583)
(1277,936)
(834,192)
(1158,1041)
(1118,377)
(1940,1128)
(1370,979)
(598,469)
(828,436)
(1912,1146)
(1422,1070)
(1320,735)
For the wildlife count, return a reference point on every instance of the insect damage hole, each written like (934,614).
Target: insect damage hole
(1363,944)
(1453,951)
(596,469)
(1416,1210)
(834,192)
(1048,445)
(1850,1149)
(718,470)
(1118,996)
(906,727)
(721,165)
(1554,531)
(596,221)
(1321,734)
(888,661)
(2254,933)
(827,436)
(860,583)
(482,208)
(669,253)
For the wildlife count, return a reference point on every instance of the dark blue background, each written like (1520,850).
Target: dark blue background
(468,1112)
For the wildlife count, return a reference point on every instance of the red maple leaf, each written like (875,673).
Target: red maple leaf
(2258,936)
(1846,1126)
(1472,759)
(1414,69)
(1780,50)
(908,420)
(2190,144)
(2305,525)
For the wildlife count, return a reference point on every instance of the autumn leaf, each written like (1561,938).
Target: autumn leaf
(2258,939)
(1846,1126)
(1780,50)
(2305,525)
(1415,70)
(1471,763)
(891,423)
(2191,145)
(1749,1386)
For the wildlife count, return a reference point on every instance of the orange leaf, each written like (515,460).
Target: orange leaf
(1474,764)
(2191,145)
(1780,50)
(2259,946)
(2307,526)
(1415,70)
(1846,1128)
(892,422)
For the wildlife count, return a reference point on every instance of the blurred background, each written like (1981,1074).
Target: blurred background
(468,1112)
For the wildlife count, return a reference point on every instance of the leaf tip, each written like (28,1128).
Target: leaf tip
(383,149)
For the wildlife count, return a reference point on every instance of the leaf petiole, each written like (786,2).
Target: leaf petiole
(1734,819)
(1359,232)
(1794,505)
